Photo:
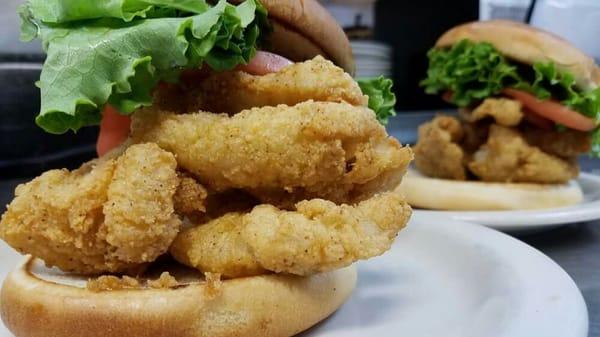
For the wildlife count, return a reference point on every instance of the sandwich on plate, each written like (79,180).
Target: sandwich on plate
(529,105)
(253,173)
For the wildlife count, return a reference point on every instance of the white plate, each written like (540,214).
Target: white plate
(536,220)
(450,279)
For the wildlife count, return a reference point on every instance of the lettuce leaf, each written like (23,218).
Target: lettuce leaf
(475,71)
(550,83)
(62,11)
(381,98)
(472,71)
(107,53)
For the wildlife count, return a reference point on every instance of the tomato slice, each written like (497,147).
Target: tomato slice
(265,63)
(553,111)
(114,130)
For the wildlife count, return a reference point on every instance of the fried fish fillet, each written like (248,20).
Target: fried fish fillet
(318,236)
(507,157)
(504,111)
(567,144)
(233,91)
(438,153)
(323,150)
(191,197)
(110,215)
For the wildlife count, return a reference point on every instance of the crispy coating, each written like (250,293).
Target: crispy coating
(504,111)
(318,236)
(317,79)
(190,197)
(112,283)
(321,149)
(437,153)
(507,157)
(110,215)
(567,144)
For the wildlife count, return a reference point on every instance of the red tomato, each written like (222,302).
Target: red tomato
(265,63)
(114,130)
(553,111)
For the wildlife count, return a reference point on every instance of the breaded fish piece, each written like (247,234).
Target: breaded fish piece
(339,193)
(317,79)
(438,153)
(566,144)
(507,157)
(322,149)
(504,111)
(110,215)
(317,237)
(191,197)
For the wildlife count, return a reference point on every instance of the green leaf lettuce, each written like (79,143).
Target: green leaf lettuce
(381,98)
(116,52)
(475,71)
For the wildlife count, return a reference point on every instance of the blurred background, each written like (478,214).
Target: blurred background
(389,37)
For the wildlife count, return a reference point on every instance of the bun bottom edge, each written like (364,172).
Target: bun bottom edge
(453,195)
(268,305)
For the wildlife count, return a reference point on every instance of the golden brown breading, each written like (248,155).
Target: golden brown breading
(319,236)
(506,157)
(437,153)
(323,149)
(190,197)
(165,281)
(567,144)
(318,80)
(504,111)
(112,283)
(110,215)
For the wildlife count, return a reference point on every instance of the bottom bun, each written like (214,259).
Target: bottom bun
(36,301)
(454,195)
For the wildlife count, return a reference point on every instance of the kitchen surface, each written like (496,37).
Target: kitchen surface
(392,39)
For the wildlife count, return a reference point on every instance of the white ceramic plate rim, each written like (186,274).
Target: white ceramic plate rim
(539,281)
(588,210)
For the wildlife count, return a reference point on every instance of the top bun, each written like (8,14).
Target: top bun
(528,45)
(303,29)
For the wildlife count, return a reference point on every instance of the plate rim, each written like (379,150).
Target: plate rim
(576,314)
(512,220)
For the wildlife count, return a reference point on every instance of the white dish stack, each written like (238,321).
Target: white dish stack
(357,17)
(372,58)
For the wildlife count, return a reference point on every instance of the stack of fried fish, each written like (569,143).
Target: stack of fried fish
(237,175)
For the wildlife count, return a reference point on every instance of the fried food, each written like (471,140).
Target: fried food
(110,215)
(475,135)
(321,149)
(110,283)
(318,236)
(437,153)
(507,157)
(234,91)
(504,111)
(566,144)
(191,196)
